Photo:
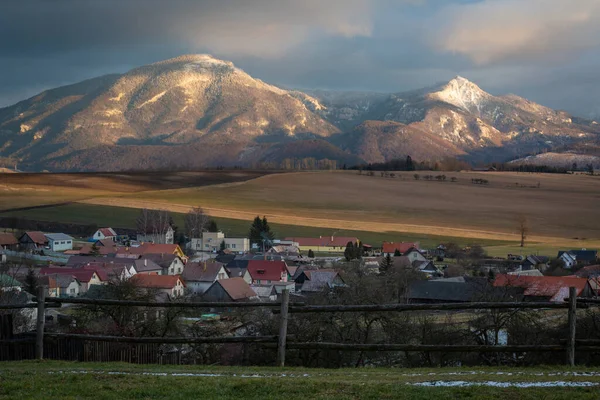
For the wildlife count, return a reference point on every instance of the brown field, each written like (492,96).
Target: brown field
(563,211)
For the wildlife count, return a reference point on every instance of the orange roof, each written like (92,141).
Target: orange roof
(543,286)
(237,288)
(402,247)
(323,241)
(107,232)
(8,239)
(157,281)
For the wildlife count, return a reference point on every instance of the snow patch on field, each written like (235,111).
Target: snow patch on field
(505,384)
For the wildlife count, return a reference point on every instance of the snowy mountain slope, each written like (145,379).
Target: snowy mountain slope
(196,110)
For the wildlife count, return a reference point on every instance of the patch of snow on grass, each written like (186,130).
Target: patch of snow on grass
(153,100)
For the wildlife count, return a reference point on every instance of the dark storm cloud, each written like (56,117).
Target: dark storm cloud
(541,49)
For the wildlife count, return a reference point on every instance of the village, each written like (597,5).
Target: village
(213,267)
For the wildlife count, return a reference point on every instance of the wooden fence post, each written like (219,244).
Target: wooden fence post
(41,320)
(572,326)
(283,323)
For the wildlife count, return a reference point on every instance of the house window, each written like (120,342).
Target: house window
(72,291)
(233,246)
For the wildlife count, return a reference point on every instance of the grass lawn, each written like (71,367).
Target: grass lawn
(64,380)
(122,217)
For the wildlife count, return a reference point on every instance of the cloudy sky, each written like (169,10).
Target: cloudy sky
(545,50)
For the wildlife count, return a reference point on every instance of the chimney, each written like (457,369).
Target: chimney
(332,238)
(145,262)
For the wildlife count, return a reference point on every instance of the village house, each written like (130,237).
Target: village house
(270,292)
(8,241)
(402,247)
(60,285)
(235,272)
(545,288)
(87,276)
(213,242)
(324,244)
(33,240)
(171,285)
(266,272)
(170,263)
(320,280)
(535,262)
(105,233)
(414,255)
(200,276)
(578,257)
(167,237)
(233,289)
(59,241)
(149,249)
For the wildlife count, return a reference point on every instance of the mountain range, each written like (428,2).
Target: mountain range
(197,111)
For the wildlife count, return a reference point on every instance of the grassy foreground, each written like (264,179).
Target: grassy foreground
(64,380)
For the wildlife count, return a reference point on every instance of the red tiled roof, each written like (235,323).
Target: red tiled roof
(107,232)
(8,239)
(543,286)
(402,247)
(266,270)
(323,241)
(150,248)
(236,288)
(37,237)
(157,281)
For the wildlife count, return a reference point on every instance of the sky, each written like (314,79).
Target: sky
(545,50)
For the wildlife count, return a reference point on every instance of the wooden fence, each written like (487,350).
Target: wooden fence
(91,347)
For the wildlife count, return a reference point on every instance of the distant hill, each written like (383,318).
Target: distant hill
(197,111)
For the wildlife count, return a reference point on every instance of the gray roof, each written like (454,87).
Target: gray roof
(58,236)
(145,265)
(471,290)
(264,290)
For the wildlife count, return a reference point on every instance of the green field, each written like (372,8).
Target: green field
(64,380)
(121,217)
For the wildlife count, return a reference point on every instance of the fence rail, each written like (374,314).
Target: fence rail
(283,341)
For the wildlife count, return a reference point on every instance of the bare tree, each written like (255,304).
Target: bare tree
(154,224)
(523,226)
(196,222)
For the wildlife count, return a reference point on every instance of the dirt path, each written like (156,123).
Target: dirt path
(291,219)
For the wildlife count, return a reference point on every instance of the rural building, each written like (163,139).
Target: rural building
(212,242)
(324,244)
(172,285)
(321,279)
(87,276)
(105,233)
(33,240)
(428,268)
(235,272)
(391,247)
(151,248)
(414,255)
(60,285)
(200,276)
(8,241)
(9,284)
(545,288)
(171,264)
(233,289)
(266,272)
(167,237)
(59,241)
(578,257)
(535,262)
(146,266)
(460,290)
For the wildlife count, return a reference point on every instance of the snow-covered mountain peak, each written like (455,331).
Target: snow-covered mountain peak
(462,93)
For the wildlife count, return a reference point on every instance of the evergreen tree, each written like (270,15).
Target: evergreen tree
(31,282)
(266,229)
(397,253)
(386,264)
(212,226)
(410,166)
(95,251)
(358,251)
(349,252)
(311,254)
(223,246)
